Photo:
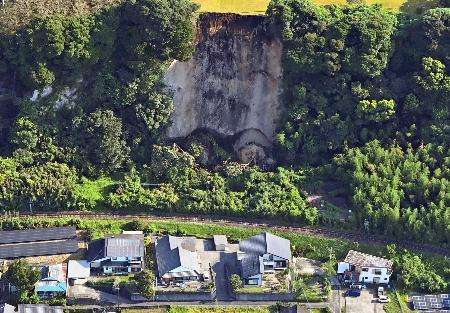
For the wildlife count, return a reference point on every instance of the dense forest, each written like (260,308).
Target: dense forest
(367,92)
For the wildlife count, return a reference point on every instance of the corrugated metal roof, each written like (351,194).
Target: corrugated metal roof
(125,246)
(39,234)
(367,260)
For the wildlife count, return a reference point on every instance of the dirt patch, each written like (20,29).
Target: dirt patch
(305,266)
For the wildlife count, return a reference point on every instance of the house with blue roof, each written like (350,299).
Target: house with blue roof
(52,283)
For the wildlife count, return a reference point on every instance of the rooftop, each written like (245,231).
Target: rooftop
(40,308)
(124,245)
(78,269)
(174,252)
(11,251)
(250,265)
(267,243)
(367,260)
(38,234)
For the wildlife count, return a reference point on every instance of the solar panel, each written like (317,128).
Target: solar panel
(38,248)
(39,234)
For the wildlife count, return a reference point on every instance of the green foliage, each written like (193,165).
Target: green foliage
(23,277)
(48,186)
(236,282)
(100,142)
(220,309)
(416,276)
(145,281)
(401,192)
(376,111)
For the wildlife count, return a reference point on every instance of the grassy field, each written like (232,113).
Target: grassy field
(260,6)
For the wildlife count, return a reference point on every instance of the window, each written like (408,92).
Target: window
(385,278)
(377,271)
(252,282)
(365,269)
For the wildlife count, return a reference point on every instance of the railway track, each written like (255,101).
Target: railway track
(256,223)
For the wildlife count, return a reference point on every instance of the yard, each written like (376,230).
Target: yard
(311,288)
(259,6)
(272,282)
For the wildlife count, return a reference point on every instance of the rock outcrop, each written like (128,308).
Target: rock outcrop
(232,84)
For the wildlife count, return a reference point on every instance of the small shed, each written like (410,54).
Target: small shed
(78,271)
(220,242)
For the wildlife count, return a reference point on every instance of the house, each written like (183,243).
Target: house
(120,254)
(263,253)
(52,283)
(78,271)
(37,242)
(361,267)
(6,308)
(177,259)
(40,308)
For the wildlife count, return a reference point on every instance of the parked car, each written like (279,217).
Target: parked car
(384,299)
(353,293)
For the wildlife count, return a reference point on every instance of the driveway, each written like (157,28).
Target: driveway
(366,303)
(86,295)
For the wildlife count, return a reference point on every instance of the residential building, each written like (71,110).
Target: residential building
(118,254)
(177,259)
(40,308)
(263,253)
(365,268)
(52,283)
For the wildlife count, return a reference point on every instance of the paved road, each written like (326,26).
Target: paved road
(257,223)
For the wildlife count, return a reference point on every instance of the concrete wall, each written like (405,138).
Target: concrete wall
(265,296)
(177,296)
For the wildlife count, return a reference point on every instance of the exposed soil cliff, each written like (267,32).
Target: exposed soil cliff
(232,84)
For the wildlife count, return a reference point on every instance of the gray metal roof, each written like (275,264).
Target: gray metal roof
(9,251)
(171,253)
(39,234)
(6,308)
(250,265)
(125,246)
(40,308)
(267,243)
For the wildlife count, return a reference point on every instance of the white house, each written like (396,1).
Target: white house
(361,267)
